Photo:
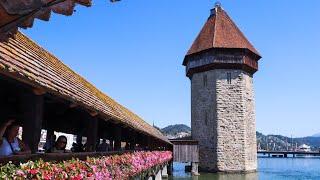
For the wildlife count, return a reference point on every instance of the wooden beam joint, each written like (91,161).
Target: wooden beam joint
(38,91)
(94,113)
(73,105)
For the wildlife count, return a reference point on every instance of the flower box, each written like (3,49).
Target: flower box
(116,167)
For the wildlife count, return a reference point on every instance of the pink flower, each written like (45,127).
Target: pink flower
(34,171)
(103,168)
(20,173)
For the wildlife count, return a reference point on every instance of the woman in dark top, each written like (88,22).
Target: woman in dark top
(60,145)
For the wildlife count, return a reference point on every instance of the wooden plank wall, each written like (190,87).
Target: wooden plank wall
(185,153)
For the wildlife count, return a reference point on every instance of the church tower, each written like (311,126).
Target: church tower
(220,64)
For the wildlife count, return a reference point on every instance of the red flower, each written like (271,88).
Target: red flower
(34,171)
(89,174)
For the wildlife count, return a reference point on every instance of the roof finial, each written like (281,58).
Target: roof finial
(217,4)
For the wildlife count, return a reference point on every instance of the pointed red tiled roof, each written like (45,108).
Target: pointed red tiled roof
(220,32)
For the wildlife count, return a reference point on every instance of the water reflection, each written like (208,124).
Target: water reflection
(269,168)
(180,174)
(251,176)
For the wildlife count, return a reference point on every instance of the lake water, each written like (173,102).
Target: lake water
(269,169)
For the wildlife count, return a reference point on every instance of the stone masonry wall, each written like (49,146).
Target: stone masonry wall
(203,115)
(250,120)
(223,120)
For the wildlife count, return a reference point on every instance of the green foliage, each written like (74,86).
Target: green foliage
(7,171)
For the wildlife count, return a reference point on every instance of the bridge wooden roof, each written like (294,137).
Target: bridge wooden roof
(25,61)
(22,13)
(220,32)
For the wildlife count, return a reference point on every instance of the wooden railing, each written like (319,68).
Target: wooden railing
(17,159)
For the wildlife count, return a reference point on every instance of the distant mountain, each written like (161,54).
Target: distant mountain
(316,135)
(270,142)
(279,142)
(176,131)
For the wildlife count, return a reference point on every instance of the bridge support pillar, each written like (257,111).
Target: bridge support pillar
(164,172)
(158,175)
(170,168)
(194,169)
(151,178)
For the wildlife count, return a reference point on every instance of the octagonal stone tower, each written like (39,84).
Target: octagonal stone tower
(220,64)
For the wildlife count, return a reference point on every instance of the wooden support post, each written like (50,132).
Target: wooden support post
(117,138)
(133,140)
(194,169)
(32,107)
(153,143)
(92,134)
(50,133)
(164,172)
(111,144)
(149,143)
(170,168)
(141,141)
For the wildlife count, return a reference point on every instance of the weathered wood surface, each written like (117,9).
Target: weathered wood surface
(22,13)
(32,119)
(117,136)
(92,133)
(185,151)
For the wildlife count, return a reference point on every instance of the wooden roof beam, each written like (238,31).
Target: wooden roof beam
(94,113)
(21,13)
(39,91)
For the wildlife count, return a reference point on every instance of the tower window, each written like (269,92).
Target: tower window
(205,80)
(229,78)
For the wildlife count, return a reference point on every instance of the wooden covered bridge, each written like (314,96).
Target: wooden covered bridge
(44,93)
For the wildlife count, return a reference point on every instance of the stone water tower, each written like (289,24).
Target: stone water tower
(220,64)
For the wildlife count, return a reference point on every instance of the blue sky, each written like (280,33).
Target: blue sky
(133,50)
